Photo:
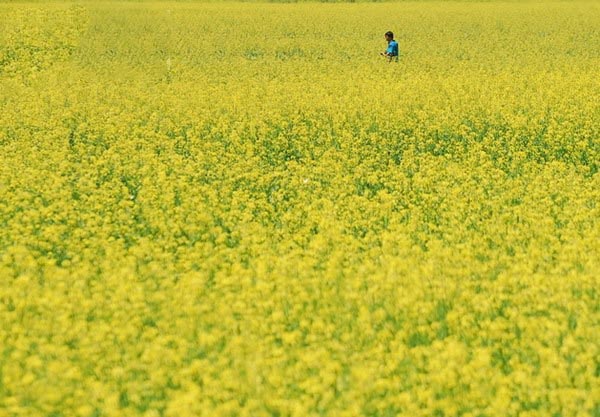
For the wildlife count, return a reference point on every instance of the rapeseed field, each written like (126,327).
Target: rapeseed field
(241,209)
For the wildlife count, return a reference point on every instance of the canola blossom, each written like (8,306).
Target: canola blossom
(241,209)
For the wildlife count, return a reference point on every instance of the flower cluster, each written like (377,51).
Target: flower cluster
(230,209)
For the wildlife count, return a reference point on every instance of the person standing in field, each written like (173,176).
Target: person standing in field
(392,50)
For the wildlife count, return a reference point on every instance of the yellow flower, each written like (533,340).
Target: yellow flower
(223,210)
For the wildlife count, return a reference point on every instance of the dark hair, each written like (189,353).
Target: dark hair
(390,34)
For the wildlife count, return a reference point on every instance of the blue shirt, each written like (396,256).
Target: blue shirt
(392,48)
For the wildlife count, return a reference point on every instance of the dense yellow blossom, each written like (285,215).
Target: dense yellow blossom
(233,209)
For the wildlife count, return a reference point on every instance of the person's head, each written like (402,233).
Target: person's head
(389,36)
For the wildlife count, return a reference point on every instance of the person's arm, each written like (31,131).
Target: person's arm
(387,55)
(387,52)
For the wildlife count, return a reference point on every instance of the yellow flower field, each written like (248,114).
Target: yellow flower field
(241,209)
